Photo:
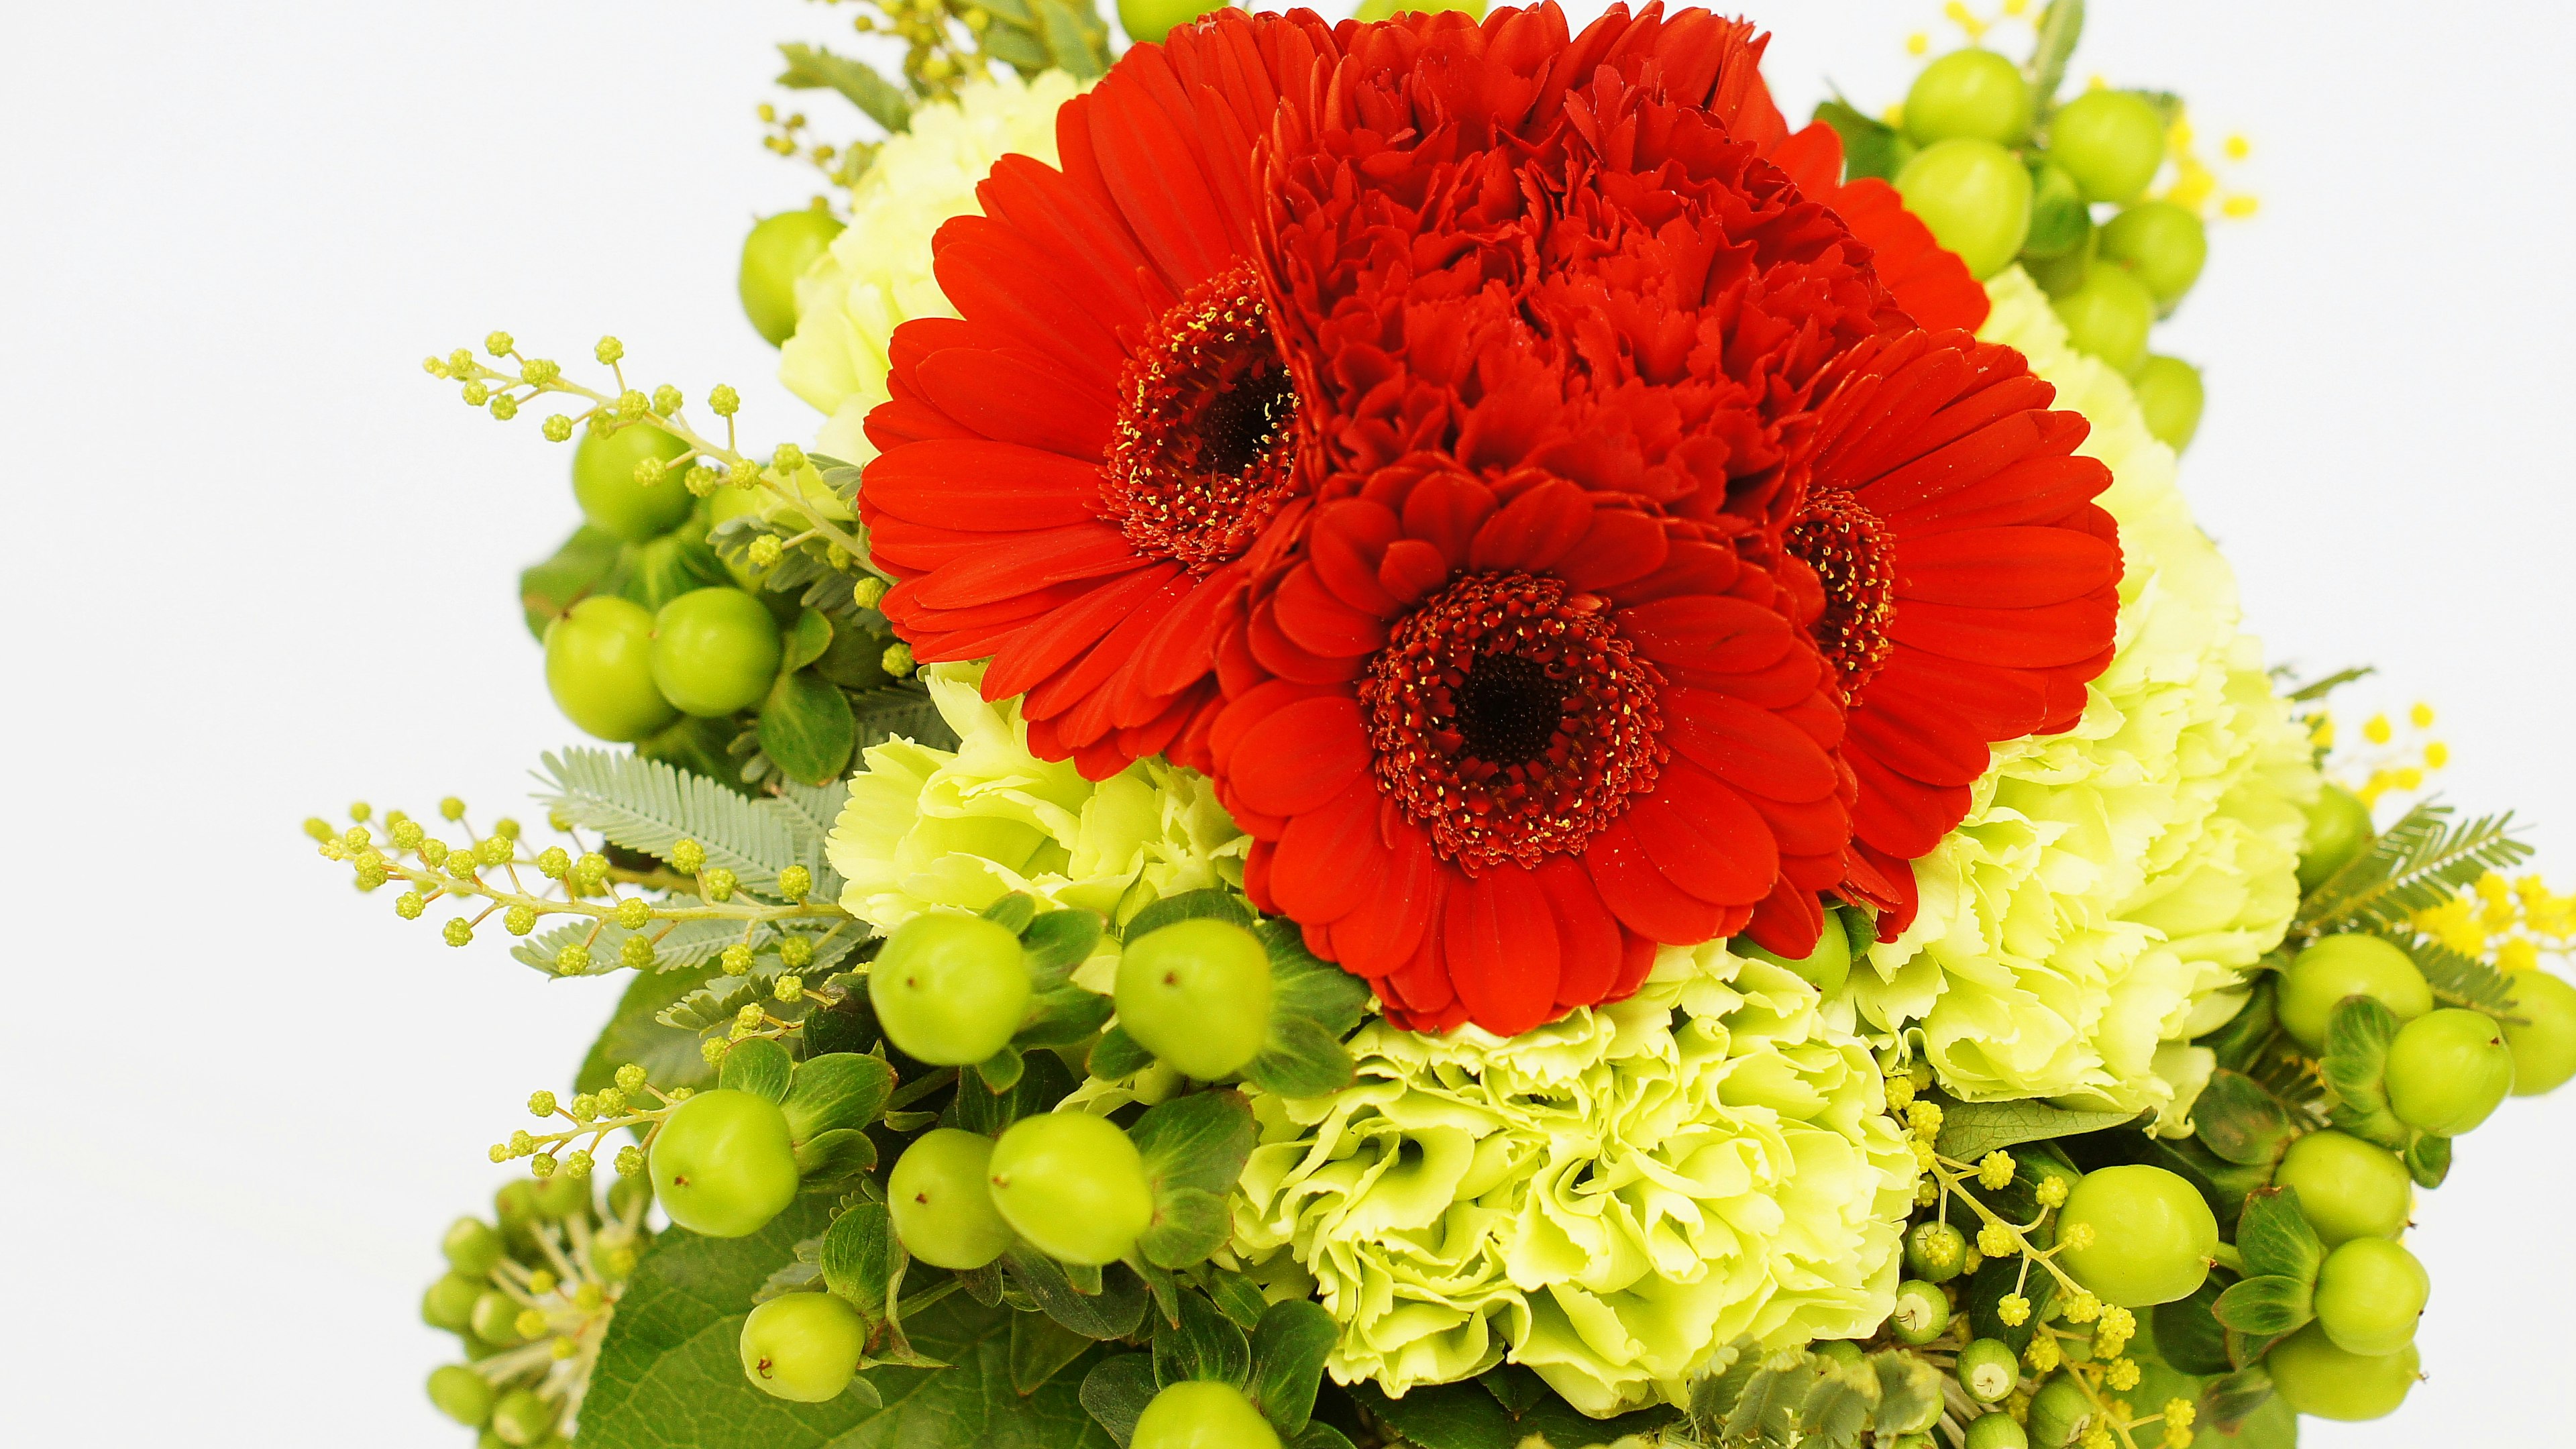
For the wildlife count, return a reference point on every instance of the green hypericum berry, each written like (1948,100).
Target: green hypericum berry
(523,1418)
(2348,965)
(1936,1251)
(803,1347)
(564,1195)
(461,1394)
(496,1319)
(1148,21)
(714,651)
(2152,1235)
(2163,243)
(449,1303)
(2369,1295)
(1825,968)
(1988,1370)
(1203,1414)
(2108,317)
(1996,1431)
(943,1209)
(1922,1312)
(2170,398)
(472,1247)
(2318,1378)
(1197,995)
(604,481)
(599,668)
(1073,1185)
(2448,1071)
(2112,142)
(1841,1350)
(2347,1188)
(723,1164)
(1969,93)
(2059,1413)
(1975,196)
(949,989)
(2544,1042)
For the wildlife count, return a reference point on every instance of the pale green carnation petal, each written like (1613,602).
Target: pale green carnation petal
(878,274)
(2102,901)
(1607,1199)
(959,829)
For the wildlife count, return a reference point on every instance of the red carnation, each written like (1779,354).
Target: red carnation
(1496,737)
(1971,583)
(1073,472)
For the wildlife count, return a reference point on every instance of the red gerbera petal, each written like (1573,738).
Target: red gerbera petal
(1970,582)
(1075,460)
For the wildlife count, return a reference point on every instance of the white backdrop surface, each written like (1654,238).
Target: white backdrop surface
(260,565)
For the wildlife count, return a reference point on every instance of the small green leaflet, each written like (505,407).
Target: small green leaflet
(1970,1130)
(648,806)
(810,67)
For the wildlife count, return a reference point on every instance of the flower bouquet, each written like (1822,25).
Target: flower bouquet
(1453,742)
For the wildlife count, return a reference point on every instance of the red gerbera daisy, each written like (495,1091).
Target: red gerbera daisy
(1970,581)
(1495,737)
(1074,469)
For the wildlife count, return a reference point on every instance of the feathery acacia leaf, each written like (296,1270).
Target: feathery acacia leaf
(648,806)
(2420,861)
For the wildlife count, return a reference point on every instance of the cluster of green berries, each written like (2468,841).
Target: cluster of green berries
(529,1293)
(1997,181)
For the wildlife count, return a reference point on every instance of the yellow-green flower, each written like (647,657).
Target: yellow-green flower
(877,274)
(2099,906)
(929,829)
(1606,1199)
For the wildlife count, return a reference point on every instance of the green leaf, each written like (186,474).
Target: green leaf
(2266,1305)
(1909,1390)
(1118,1056)
(2274,1238)
(1189,1225)
(1114,1311)
(653,574)
(1065,1016)
(1001,1071)
(1116,1392)
(1074,46)
(1319,1435)
(1194,1149)
(1871,147)
(806,727)
(1057,941)
(1171,910)
(2457,979)
(1997,1280)
(1302,1059)
(675,945)
(648,806)
(2232,1399)
(2318,689)
(834,1156)
(2241,1121)
(1970,1130)
(2188,1334)
(2270,1424)
(1289,1346)
(805,640)
(813,68)
(669,1056)
(837,1090)
(722,998)
(1465,1416)
(1041,1348)
(1773,1399)
(572,573)
(2355,1069)
(1313,1005)
(862,1261)
(1842,1403)
(1721,1385)
(976,1108)
(2242,1039)
(1205,1344)
(1013,912)
(2059,27)
(1235,1295)
(759,1066)
(2418,862)
(2427,1159)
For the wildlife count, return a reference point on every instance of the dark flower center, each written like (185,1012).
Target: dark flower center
(1848,548)
(1510,718)
(1203,450)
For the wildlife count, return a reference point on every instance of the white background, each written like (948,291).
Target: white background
(259,565)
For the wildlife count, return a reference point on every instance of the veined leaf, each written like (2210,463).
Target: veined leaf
(645,805)
(2275,1239)
(1970,1130)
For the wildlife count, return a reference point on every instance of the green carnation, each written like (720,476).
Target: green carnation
(929,829)
(1607,1199)
(878,273)
(2101,903)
